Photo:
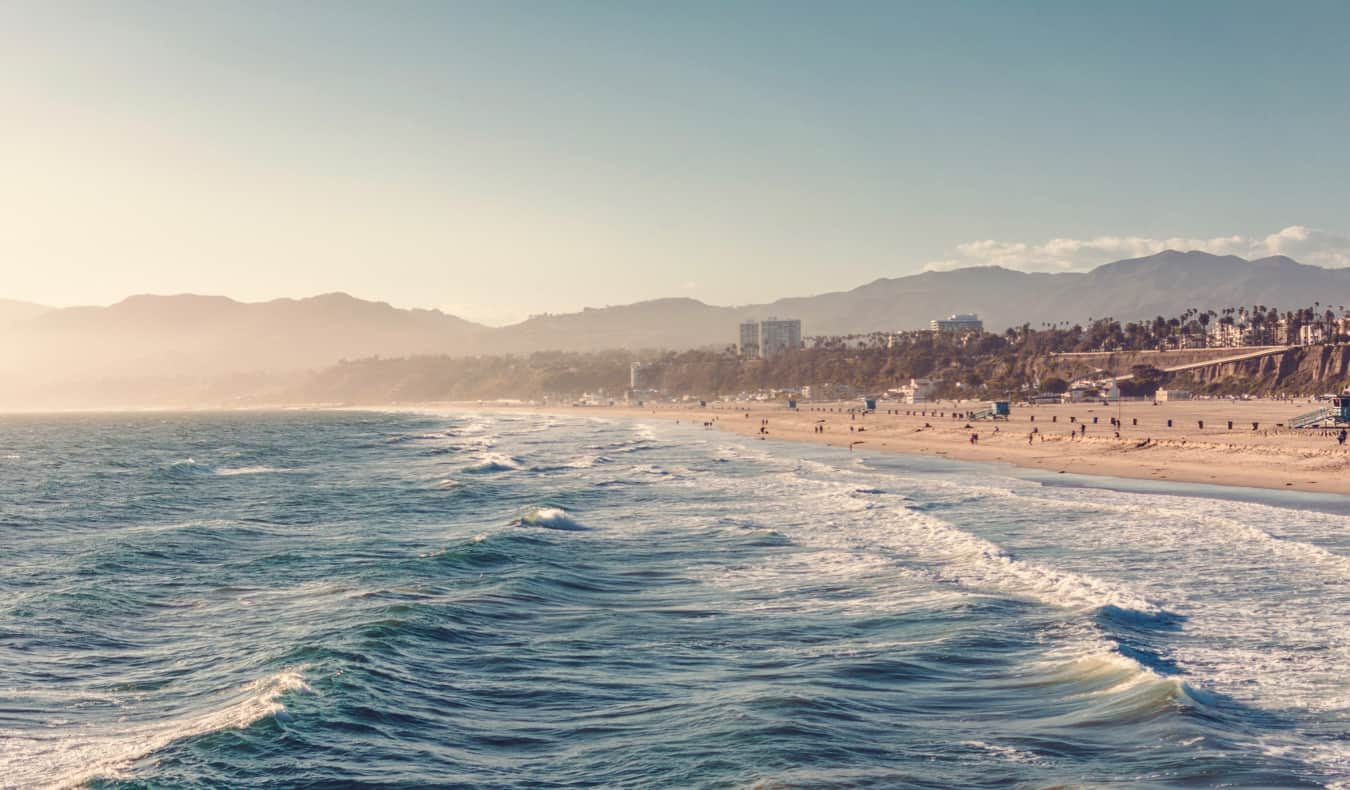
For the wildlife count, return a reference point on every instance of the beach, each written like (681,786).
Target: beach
(1147,448)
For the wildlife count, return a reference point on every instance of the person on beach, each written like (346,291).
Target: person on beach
(1340,438)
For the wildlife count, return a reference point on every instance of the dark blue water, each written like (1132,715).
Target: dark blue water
(386,600)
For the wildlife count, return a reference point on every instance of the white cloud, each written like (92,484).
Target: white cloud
(1304,244)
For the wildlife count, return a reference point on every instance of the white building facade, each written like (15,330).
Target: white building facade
(770,336)
(960,323)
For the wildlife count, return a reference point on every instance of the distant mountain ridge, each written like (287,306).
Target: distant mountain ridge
(12,311)
(192,335)
(204,336)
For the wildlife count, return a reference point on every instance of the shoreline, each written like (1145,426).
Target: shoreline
(1277,459)
(1270,458)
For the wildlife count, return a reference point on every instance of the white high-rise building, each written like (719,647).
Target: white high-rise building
(770,336)
(777,336)
(749,344)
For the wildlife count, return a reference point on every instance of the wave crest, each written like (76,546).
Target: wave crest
(70,760)
(550,518)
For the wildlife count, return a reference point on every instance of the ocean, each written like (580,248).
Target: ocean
(504,600)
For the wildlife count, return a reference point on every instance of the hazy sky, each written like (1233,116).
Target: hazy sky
(498,159)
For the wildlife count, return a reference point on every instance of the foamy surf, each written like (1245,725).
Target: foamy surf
(493,463)
(63,759)
(550,518)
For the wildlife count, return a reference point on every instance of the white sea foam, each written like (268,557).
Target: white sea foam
(970,560)
(550,518)
(246,470)
(62,758)
(881,525)
(1007,753)
(494,462)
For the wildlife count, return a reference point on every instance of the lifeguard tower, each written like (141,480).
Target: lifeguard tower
(996,410)
(1338,413)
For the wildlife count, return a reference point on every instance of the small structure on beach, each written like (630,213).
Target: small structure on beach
(1338,413)
(1163,396)
(996,410)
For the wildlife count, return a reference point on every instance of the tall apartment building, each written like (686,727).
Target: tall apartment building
(770,336)
(749,344)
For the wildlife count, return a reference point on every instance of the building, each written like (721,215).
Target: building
(1163,395)
(777,336)
(770,336)
(1311,334)
(918,390)
(1227,335)
(960,323)
(749,344)
(643,376)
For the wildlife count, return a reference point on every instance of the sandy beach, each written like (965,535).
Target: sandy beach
(1265,457)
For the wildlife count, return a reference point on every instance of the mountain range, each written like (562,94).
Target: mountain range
(191,336)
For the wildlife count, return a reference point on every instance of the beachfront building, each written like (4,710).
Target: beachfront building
(917,390)
(770,336)
(959,324)
(828,391)
(1162,396)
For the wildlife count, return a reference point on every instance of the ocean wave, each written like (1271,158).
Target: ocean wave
(188,467)
(1111,689)
(494,463)
(64,759)
(969,560)
(550,518)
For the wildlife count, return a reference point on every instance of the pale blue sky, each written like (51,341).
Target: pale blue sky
(498,159)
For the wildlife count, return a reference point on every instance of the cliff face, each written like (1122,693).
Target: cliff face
(1072,366)
(1305,369)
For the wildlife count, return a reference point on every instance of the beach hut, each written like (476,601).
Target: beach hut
(870,404)
(1340,407)
(1002,408)
(792,403)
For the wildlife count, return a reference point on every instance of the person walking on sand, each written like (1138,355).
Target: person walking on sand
(1340,438)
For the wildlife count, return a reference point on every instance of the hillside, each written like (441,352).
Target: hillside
(137,346)
(195,339)
(1164,284)
(12,311)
